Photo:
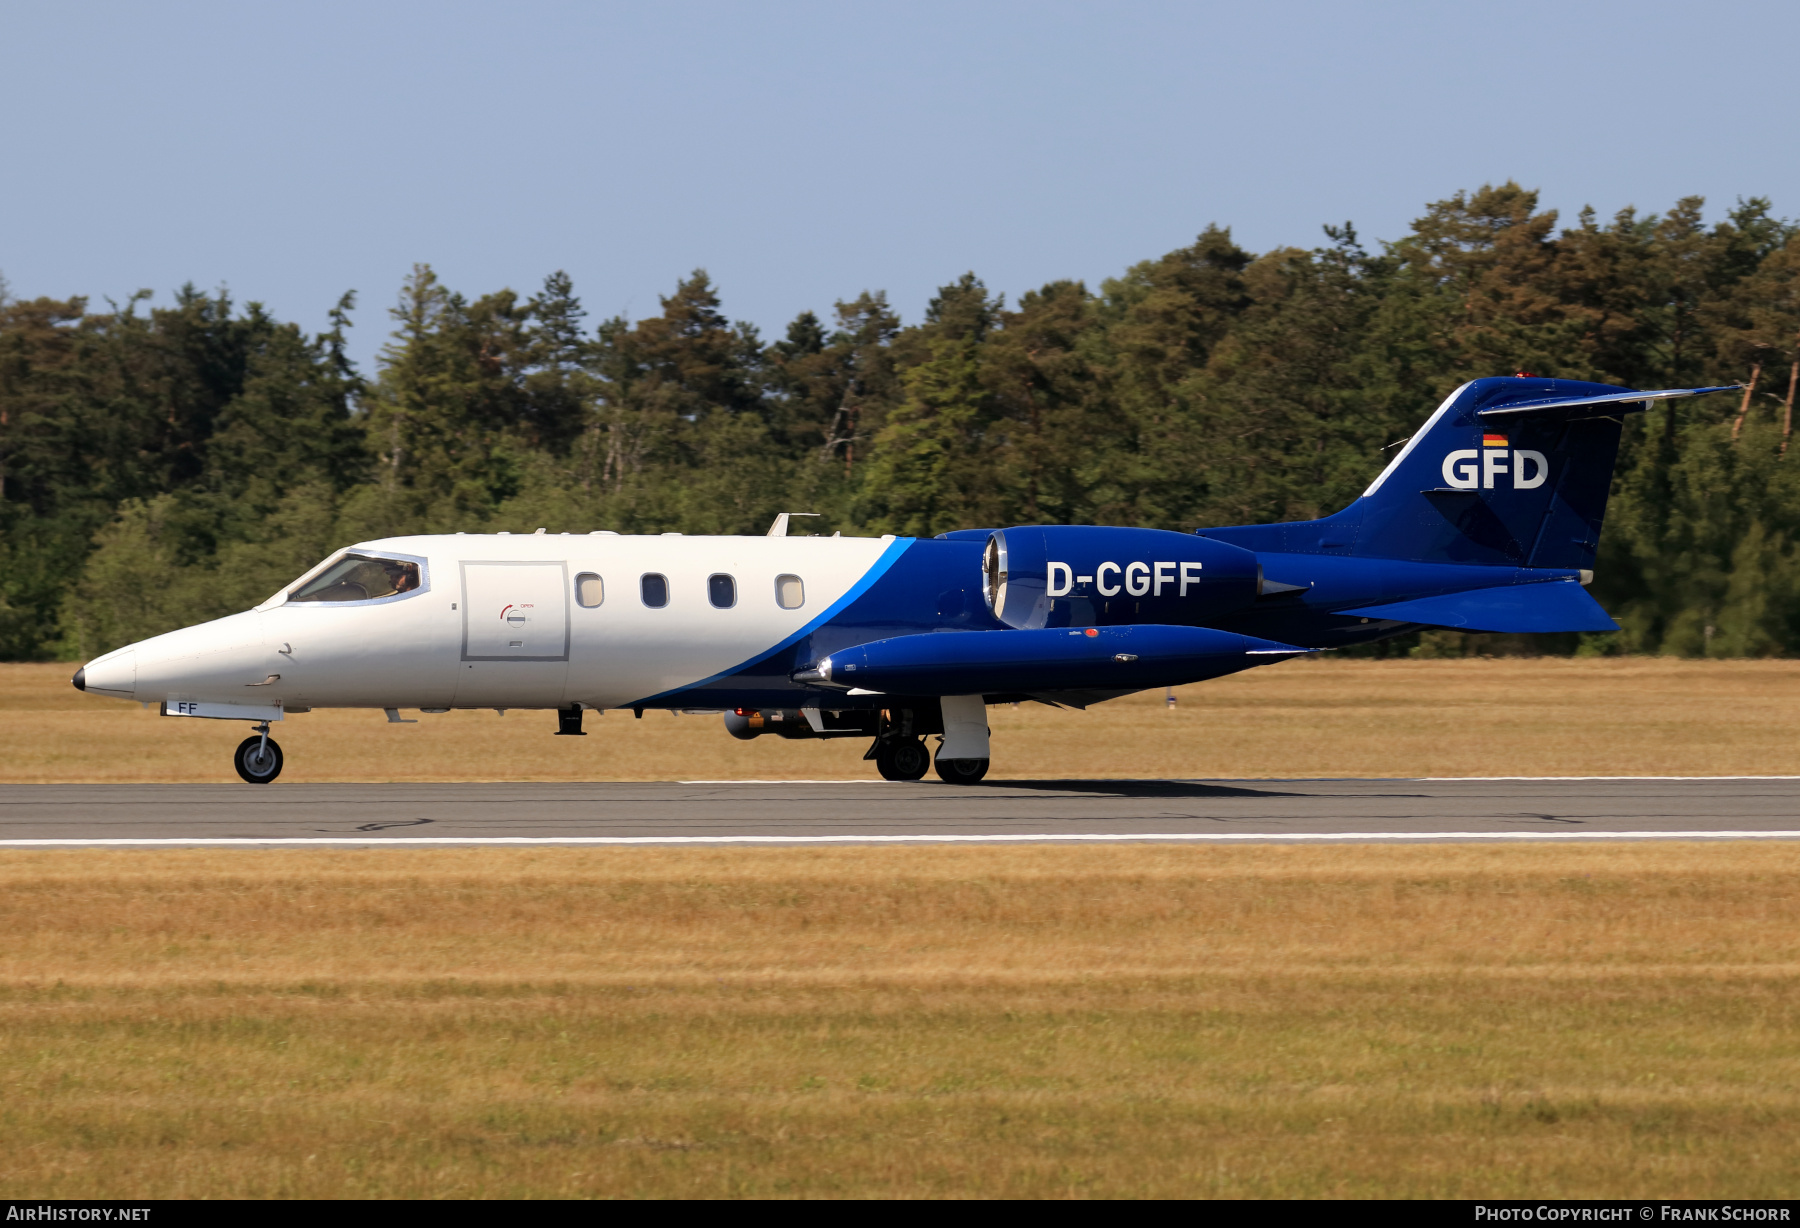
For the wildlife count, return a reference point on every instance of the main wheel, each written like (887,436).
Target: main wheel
(906,759)
(254,763)
(960,771)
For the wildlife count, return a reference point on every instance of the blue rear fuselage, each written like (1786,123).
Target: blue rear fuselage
(1488,519)
(929,586)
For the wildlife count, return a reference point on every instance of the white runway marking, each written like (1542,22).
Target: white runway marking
(1363,837)
(1720,779)
(1241,780)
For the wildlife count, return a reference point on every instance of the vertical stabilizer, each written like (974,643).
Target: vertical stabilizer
(1507,473)
(1517,490)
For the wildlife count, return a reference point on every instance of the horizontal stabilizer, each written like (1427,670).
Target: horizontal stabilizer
(1548,605)
(1631,401)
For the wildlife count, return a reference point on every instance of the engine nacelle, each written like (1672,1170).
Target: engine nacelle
(1081,576)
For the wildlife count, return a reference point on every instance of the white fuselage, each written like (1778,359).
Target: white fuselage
(498,621)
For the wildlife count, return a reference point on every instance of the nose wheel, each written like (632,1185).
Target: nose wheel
(258,759)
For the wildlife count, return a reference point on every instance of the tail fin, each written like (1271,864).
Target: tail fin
(1507,472)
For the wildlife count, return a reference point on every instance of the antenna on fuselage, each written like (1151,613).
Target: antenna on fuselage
(780,527)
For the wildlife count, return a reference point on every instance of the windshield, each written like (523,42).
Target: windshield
(360,577)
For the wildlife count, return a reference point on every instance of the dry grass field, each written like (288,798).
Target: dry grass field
(1455,1021)
(1475,717)
(1451,1021)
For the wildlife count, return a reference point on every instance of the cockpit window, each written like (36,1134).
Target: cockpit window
(358,577)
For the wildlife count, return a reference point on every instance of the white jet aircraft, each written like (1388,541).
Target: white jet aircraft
(1487,520)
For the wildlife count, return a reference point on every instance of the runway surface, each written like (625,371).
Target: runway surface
(789,812)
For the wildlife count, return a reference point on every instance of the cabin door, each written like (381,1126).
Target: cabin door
(515,641)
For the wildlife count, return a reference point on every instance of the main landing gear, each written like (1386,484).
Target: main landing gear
(901,758)
(258,759)
(908,758)
(899,750)
(960,771)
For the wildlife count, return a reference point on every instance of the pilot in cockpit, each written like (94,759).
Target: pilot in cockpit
(357,577)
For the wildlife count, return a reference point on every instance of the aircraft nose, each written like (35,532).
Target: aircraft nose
(113,674)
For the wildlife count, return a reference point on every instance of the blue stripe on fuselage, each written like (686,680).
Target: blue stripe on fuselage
(917,585)
(895,596)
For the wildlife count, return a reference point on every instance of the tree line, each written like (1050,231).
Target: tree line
(163,465)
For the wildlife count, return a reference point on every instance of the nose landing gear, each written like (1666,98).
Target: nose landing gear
(258,759)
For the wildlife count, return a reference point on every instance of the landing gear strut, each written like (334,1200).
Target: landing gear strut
(258,759)
(901,759)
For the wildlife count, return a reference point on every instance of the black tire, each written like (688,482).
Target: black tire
(905,759)
(255,767)
(960,771)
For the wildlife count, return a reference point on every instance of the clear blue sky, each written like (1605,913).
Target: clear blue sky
(804,152)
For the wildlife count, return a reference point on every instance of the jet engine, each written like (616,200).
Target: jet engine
(1080,576)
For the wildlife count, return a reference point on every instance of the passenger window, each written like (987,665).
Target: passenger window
(360,577)
(655,589)
(790,594)
(589,592)
(721,590)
